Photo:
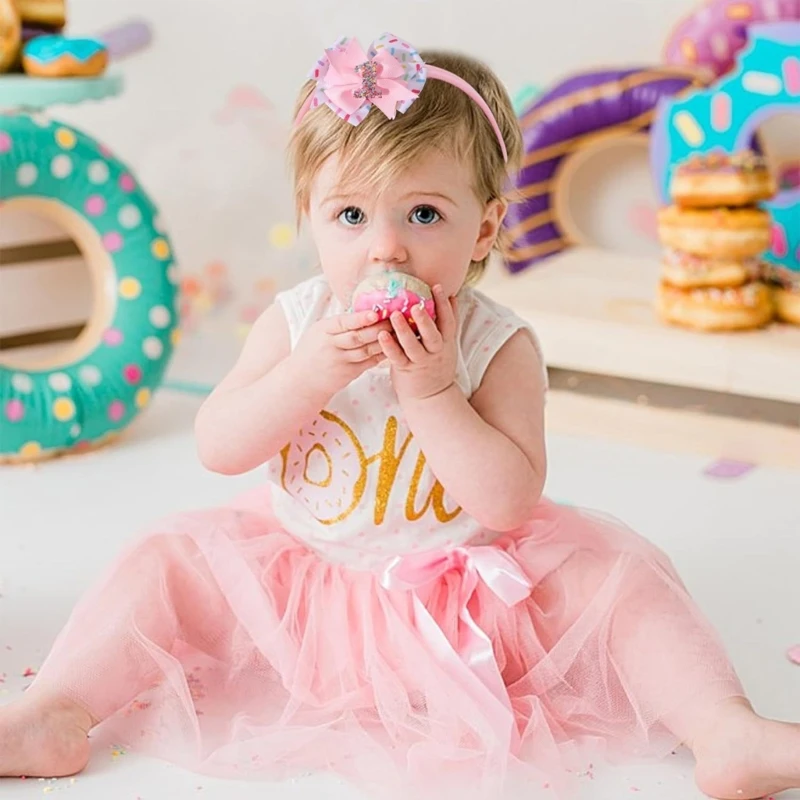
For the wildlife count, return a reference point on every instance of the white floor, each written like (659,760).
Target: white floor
(736,542)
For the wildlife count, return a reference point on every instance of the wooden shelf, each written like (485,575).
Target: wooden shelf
(594,312)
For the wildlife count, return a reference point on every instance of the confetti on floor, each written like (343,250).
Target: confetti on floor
(727,468)
(793,654)
(29,672)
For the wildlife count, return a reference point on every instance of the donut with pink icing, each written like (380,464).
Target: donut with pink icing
(388,292)
(712,36)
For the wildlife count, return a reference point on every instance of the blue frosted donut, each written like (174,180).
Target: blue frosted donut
(60,56)
(118,360)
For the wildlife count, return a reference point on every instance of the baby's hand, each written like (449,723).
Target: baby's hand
(424,366)
(334,351)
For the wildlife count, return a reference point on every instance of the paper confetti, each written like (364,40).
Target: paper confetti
(29,672)
(727,468)
(793,654)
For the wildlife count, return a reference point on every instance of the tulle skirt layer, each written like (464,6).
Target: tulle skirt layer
(222,643)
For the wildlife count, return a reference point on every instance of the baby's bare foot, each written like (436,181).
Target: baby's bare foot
(741,756)
(43,738)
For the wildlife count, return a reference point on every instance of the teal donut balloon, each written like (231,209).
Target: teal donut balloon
(120,358)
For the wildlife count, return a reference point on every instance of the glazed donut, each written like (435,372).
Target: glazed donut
(327,455)
(713,309)
(43,12)
(10,35)
(719,233)
(787,303)
(717,179)
(61,57)
(786,291)
(712,36)
(573,116)
(686,271)
(393,291)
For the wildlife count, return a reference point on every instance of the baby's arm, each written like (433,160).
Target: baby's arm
(272,390)
(489,452)
(244,420)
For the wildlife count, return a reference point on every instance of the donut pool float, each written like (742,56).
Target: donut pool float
(94,388)
(724,118)
(575,118)
(713,35)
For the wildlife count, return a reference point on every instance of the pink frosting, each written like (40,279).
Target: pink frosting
(386,302)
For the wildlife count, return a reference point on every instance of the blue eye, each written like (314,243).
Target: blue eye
(425,215)
(351,216)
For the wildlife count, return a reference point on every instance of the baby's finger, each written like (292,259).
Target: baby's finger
(431,337)
(445,316)
(351,340)
(392,350)
(375,361)
(363,353)
(408,340)
(342,323)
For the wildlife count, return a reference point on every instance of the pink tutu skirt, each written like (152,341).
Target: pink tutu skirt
(223,644)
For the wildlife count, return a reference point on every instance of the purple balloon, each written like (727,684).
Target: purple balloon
(560,123)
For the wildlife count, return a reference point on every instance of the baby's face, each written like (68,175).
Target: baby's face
(428,223)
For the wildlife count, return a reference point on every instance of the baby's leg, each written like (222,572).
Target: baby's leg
(160,592)
(673,661)
(742,756)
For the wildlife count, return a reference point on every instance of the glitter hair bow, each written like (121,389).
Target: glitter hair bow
(390,75)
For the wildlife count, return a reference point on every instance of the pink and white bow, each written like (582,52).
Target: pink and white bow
(390,76)
(470,660)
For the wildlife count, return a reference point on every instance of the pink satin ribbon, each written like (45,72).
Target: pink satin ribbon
(342,79)
(350,80)
(471,661)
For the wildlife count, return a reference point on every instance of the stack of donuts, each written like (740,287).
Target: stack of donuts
(714,236)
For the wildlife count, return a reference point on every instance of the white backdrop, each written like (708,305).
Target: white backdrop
(204,47)
(204,117)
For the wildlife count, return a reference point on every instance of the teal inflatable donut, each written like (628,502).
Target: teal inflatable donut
(109,374)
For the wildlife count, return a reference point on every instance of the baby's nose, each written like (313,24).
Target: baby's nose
(388,246)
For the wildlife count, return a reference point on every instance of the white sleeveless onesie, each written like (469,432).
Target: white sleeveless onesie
(352,483)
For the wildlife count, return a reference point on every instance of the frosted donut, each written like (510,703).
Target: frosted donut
(686,271)
(787,304)
(717,179)
(712,36)
(60,57)
(327,455)
(577,114)
(10,35)
(717,233)
(786,291)
(43,12)
(388,292)
(99,383)
(713,309)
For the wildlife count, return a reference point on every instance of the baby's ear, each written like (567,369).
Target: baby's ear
(503,209)
(493,215)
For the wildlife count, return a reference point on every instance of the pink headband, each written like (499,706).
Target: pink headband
(391,77)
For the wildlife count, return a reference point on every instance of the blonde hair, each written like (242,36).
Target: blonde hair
(442,118)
